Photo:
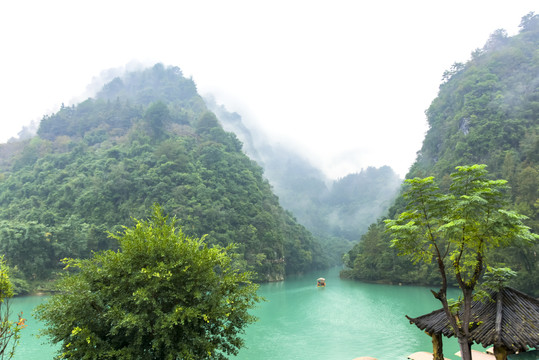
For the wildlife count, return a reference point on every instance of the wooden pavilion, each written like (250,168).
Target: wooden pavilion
(509,321)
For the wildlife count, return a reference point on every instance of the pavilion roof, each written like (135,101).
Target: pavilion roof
(510,318)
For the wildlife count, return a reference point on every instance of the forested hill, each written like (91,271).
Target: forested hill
(145,138)
(486,112)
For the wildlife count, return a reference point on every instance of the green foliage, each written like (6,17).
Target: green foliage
(28,246)
(460,226)
(457,230)
(163,295)
(157,115)
(6,288)
(151,85)
(496,278)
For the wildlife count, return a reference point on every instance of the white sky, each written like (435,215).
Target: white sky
(345,81)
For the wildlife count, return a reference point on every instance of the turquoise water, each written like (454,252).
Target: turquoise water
(30,346)
(344,320)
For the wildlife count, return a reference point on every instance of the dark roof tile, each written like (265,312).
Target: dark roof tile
(518,316)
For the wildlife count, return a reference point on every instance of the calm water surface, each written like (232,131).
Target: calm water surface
(30,346)
(344,320)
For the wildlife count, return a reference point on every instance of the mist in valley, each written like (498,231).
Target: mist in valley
(337,211)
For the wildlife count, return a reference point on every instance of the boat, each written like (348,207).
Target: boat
(321,282)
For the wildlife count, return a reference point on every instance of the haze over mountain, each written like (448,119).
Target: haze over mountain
(290,68)
(338,211)
(146,138)
(486,112)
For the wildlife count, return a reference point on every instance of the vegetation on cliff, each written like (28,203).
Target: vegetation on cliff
(146,138)
(485,113)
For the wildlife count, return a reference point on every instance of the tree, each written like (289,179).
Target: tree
(9,330)
(457,230)
(163,295)
(157,115)
(529,21)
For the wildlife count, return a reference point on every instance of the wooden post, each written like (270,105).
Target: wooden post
(437,346)
(500,352)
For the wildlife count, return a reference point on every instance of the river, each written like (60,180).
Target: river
(344,320)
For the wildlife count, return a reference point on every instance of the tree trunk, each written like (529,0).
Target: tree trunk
(437,346)
(500,352)
(465,349)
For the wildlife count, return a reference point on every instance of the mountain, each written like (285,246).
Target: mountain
(338,211)
(147,137)
(486,112)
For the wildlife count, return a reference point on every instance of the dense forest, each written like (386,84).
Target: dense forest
(337,211)
(146,138)
(486,112)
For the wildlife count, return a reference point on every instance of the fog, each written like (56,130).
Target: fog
(345,83)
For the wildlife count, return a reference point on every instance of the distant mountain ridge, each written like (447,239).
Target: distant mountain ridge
(337,211)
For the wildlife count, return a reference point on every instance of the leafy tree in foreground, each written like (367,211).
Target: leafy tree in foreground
(457,230)
(162,296)
(9,330)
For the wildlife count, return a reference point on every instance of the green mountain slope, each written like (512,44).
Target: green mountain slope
(147,137)
(486,112)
